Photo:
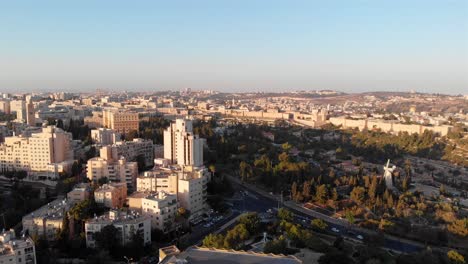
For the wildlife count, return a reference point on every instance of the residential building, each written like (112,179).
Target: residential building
(105,136)
(47,151)
(94,121)
(181,146)
(5,106)
(80,192)
(47,220)
(161,207)
(18,107)
(120,121)
(158,180)
(30,118)
(136,149)
(115,169)
(128,223)
(190,185)
(16,250)
(112,195)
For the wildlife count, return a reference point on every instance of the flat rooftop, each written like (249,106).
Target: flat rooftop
(52,210)
(195,255)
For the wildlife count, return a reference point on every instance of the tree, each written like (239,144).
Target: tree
(182,212)
(235,237)
(286,147)
(350,217)
(140,159)
(334,195)
(294,191)
(213,241)
(408,168)
(251,222)
(277,246)
(442,190)
(306,190)
(107,238)
(131,135)
(455,257)
(459,227)
(212,169)
(358,194)
(245,170)
(319,224)
(284,214)
(321,194)
(334,257)
(103,180)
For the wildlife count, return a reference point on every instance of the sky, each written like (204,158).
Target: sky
(241,45)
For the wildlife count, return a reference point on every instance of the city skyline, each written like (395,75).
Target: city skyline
(242,46)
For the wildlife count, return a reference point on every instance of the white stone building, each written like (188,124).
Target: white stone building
(16,250)
(47,220)
(181,146)
(161,207)
(47,151)
(105,136)
(128,223)
(115,169)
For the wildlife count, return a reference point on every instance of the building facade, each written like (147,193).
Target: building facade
(181,146)
(160,207)
(127,223)
(47,220)
(47,151)
(112,195)
(15,250)
(105,136)
(121,121)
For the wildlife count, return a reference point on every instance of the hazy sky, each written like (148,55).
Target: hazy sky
(236,45)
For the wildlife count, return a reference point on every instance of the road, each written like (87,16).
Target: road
(259,201)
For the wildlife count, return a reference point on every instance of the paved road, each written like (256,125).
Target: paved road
(259,201)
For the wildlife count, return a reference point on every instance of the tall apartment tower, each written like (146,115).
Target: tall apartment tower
(30,119)
(181,146)
(19,107)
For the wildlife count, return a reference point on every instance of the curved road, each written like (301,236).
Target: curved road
(260,201)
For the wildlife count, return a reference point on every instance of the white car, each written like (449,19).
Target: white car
(336,230)
(360,237)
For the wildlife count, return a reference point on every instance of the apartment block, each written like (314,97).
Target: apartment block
(190,185)
(105,136)
(181,146)
(138,147)
(128,223)
(80,192)
(47,220)
(5,106)
(115,169)
(47,151)
(160,207)
(16,250)
(112,195)
(120,121)
(94,121)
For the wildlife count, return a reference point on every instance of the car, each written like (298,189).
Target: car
(336,230)
(359,237)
